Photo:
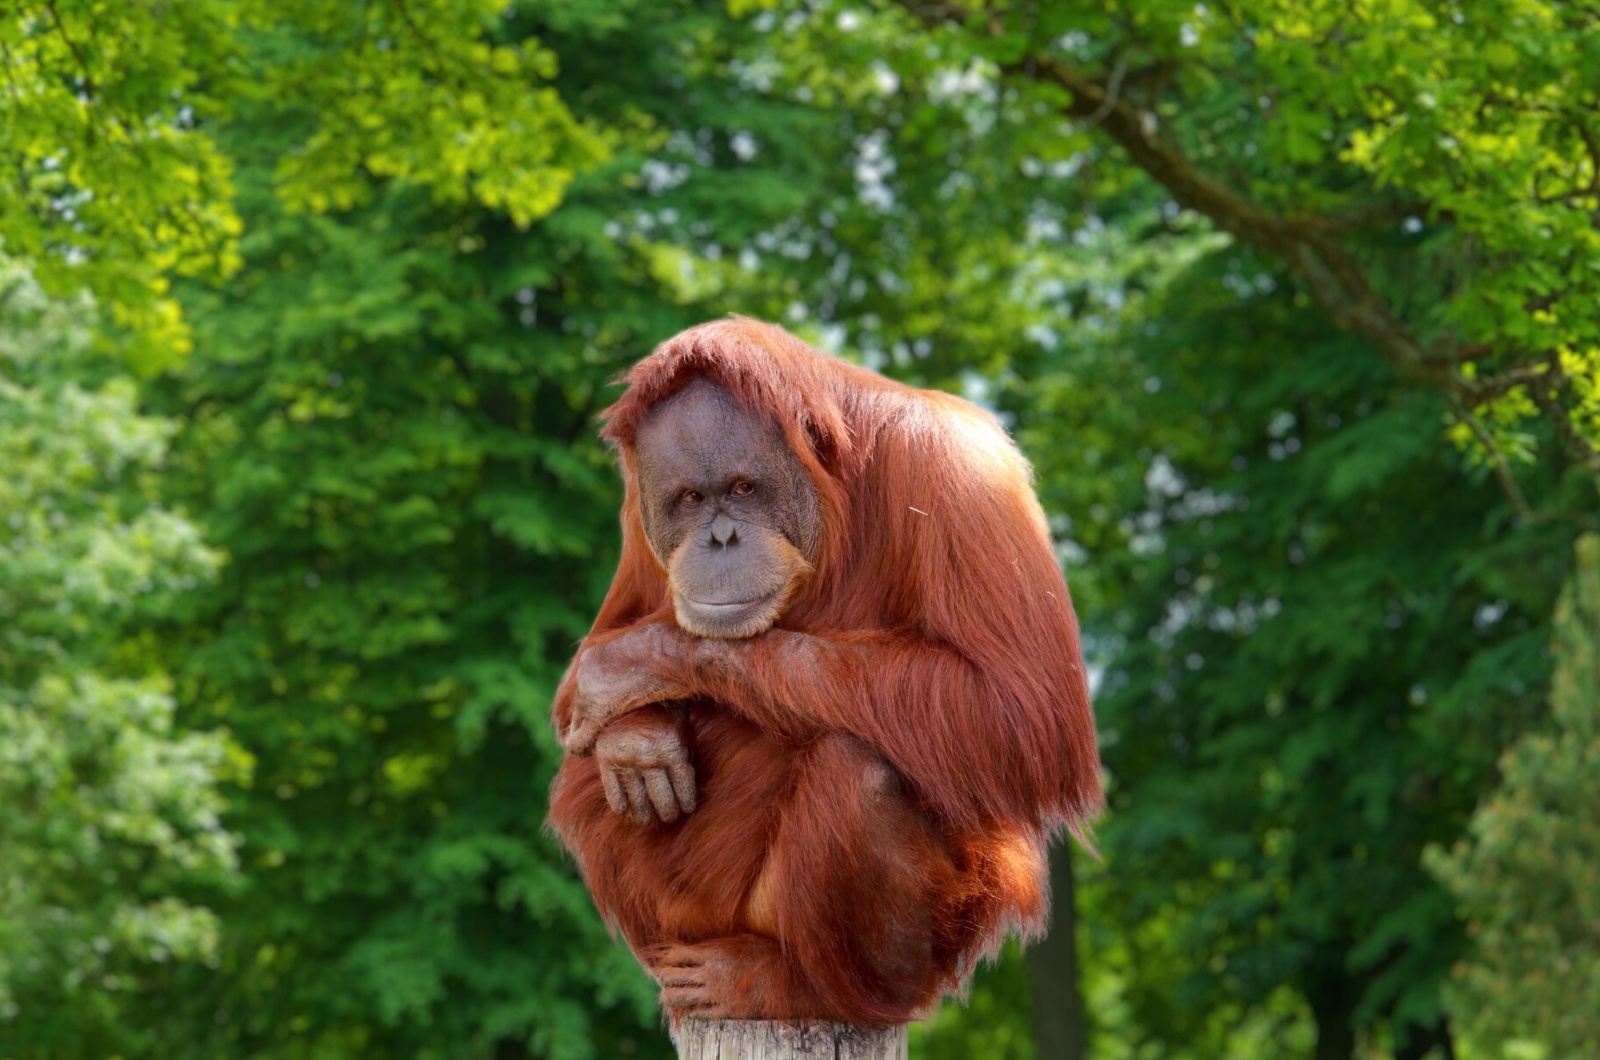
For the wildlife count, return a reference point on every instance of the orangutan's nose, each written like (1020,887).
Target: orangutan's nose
(724,532)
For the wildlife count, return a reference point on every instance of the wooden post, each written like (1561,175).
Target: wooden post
(769,1040)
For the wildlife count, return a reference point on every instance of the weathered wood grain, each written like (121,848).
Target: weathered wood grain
(768,1040)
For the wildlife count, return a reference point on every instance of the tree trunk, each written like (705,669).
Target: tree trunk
(1427,1043)
(769,1040)
(1330,995)
(1059,1030)
(1335,1041)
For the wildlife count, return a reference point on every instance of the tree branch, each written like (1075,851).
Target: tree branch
(1476,392)
(61,31)
(1545,397)
(1497,461)
(1308,243)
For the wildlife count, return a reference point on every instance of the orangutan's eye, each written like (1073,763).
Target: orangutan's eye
(693,496)
(743,489)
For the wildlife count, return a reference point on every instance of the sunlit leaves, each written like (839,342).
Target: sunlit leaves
(116,185)
(1487,117)
(108,183)
(419,90)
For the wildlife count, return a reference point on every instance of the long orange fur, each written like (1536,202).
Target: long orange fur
(952,651)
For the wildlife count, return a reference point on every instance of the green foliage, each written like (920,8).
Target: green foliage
(111,814)
(1309,673)
(1529,875)
(1342,139)
(1482,116)
(988,1022)
(117,183)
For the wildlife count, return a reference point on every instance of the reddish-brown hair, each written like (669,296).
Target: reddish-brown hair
(936,562)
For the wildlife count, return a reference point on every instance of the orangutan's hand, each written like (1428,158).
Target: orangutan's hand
(644,764)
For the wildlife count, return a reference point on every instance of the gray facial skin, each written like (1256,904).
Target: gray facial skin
(728,508)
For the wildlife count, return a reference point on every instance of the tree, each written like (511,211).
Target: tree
(1306,130)
(1526,872)
(117,183)
(112,819)
(1316,658)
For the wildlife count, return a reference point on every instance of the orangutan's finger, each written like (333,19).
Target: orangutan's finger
(662,797)
(681,774)
(639,811)
(615,798)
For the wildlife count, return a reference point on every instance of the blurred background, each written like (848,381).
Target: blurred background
(307,308)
